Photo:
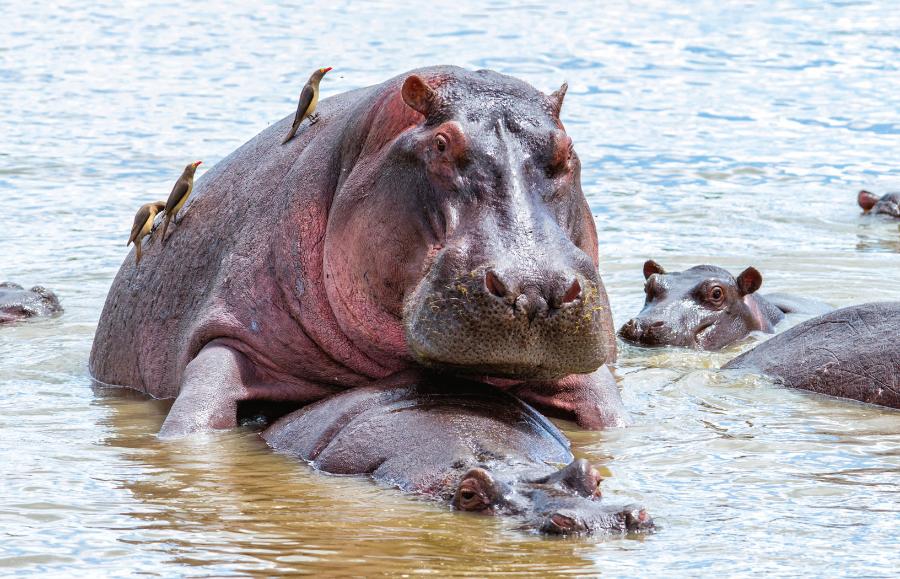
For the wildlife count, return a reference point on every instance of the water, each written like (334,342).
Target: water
(736,136)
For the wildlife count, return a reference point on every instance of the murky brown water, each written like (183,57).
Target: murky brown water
(732,136)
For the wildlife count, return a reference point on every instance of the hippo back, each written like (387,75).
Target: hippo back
(418,437)
(851,353)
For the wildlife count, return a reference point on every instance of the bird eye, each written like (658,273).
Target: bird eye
(440,142)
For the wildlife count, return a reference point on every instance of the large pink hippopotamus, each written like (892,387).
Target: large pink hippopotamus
(431,223)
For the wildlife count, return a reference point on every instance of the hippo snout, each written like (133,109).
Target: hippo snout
(595,518)
(511,323)
(646,332)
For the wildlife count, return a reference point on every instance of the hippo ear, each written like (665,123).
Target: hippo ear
(749,281)
(651,267)
(418,94)
(556,99)
(867,200)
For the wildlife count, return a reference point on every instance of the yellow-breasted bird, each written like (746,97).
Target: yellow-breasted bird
(143,224)
(180,192)
(306,107)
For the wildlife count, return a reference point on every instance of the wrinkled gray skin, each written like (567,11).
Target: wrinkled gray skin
(889,204)
(17,303)
(477,448)
(707,308)
(853,353)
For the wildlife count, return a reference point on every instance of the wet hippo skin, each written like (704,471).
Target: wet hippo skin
(17,303)
(476,448)
(707,308)
(853,353)
(888,204)
(435,220)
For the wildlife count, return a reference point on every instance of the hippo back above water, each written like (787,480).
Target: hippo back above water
(852,353)
(706,308)
(474,447)
(432,221)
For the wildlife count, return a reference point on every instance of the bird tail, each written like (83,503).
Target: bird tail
(165,226)
(137,245)
(290,135)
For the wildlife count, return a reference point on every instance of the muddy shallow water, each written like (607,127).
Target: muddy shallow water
(734,137)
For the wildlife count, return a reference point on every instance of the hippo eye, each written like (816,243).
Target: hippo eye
(716,294)
(440,142)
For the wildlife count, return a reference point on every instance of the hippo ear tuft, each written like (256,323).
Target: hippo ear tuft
(651,267)
(418,94)
(749,281)
(556,99)
(867,200)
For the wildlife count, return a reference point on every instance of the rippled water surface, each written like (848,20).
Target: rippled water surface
(733,136)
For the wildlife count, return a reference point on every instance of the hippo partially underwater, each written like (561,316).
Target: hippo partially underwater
(474,447)
(17,303)
(706,308)
(852,353)
(887,204)
(434,221)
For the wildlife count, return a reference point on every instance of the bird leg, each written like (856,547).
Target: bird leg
(313,118)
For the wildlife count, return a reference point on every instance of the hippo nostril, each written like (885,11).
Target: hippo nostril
(572,294)
(494,285)
(657,324)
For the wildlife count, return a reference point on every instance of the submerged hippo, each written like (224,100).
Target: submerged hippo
(889,204)
(707,308)
(469,445)
(435,220)
(17,303)
(853,353)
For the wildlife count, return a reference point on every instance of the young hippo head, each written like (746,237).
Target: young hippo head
(565,503)
(703,307)
(466,242)
(17,303)
(887,205)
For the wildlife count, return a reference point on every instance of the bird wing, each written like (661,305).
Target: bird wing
(178,191)
(306,97)
(139,220)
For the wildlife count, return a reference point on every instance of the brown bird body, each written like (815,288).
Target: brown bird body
(143,225)
(180,192)
(306,107)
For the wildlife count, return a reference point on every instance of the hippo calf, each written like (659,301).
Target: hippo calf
(888,204)
(853,353)
(707,308)
(478,449)
(17,303)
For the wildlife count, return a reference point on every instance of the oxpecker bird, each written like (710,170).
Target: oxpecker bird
(309,98)
(179,195)
(143,224)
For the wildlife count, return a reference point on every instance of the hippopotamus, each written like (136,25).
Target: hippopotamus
(707,308)
(889,204)
(17,303)
(475,447)
(852,352)
(435,221)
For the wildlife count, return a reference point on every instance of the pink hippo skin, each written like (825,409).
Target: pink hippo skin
(431,223)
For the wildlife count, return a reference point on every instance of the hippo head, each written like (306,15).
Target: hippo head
(17,303)
(567,502)
(468,244)
(703,307)
(887,205)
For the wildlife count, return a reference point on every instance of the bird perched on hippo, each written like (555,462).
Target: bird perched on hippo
(706,308)
(435,223)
